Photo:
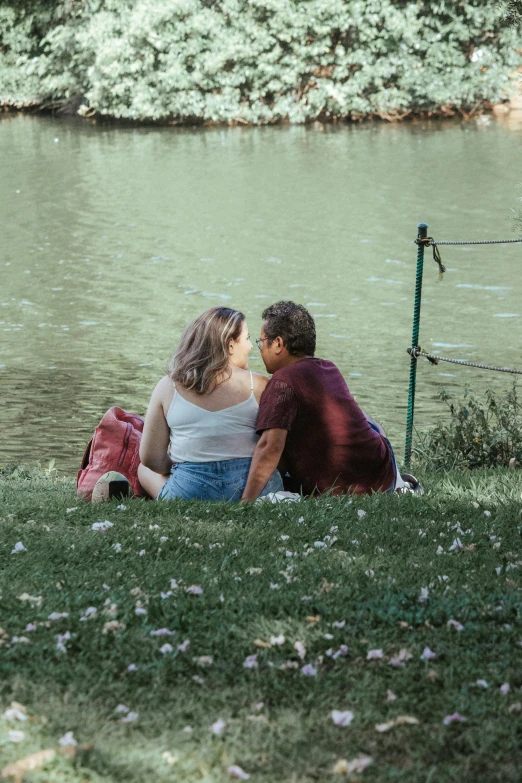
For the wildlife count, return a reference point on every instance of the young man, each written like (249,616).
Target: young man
(310,425)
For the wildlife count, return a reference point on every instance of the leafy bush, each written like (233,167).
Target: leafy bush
(479,434)
(257,61)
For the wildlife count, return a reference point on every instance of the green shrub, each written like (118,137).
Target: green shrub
(480,433)
(257,61)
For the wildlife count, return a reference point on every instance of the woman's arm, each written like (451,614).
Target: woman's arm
(156,434)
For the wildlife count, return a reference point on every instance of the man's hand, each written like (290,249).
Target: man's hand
(264,461)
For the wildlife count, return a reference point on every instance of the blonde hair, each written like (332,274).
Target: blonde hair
(202,354)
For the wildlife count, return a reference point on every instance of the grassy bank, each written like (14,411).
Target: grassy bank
(309,589)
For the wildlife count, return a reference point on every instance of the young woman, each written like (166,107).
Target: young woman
(200,427)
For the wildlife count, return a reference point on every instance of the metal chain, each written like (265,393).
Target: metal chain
(416,352)
(479,242)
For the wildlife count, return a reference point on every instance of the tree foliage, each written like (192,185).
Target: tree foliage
(257,61)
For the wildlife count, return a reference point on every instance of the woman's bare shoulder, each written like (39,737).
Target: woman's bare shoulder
(260,381)
(164,387)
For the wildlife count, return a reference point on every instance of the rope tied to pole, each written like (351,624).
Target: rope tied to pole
(417,351)
(430,242)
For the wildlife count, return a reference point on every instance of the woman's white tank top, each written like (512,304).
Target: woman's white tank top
(198,435)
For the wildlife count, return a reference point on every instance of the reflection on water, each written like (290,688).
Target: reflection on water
(115,237)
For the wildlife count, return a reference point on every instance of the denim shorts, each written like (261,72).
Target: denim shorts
(223,480)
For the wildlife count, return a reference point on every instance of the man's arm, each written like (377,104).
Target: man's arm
(264,461)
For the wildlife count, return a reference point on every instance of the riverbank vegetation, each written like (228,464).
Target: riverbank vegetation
(296,642)
(243,62)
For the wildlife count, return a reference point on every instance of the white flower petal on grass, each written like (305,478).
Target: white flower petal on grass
(121,507)
(356,765)
(194,590)
(105,587)
(162,632)
(274,586)
(204,660)
(487,513)
(166,648)
(67,741)
(14,712)
(163,539)
(423,596)
(70,510)
(60,641)
(428,654)
(374,655)
(457,544)
(101,527)
(277,641)
(309,670)
(300,520)
(319,544)
(132,667)
(339,624)
(30,627)
(18,547)
(166,595)
(218,727)
(130,718)
(141,552)
(33,600)
(455,717)
(505,688)
(117,547)
(20,640)
(390,696)
(440,550)
(170,758)
(140,610)
(455,624)
(238,772)
(284,538)
(183,647)
(122,709)
(482,684)
(198,679)
(300,649)
(250,662)
(58,615)
(360,513)
(15,735)
(342,718)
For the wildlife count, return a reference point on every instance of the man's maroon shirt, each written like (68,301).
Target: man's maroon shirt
(330,445)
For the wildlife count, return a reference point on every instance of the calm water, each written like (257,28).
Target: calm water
(114,238)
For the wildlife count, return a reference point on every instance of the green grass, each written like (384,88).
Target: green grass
(370,574)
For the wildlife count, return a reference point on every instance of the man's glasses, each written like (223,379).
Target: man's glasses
(260,341)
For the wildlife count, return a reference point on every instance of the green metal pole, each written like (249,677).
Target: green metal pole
(422,234)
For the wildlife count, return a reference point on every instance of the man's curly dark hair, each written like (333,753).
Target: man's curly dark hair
(294,324)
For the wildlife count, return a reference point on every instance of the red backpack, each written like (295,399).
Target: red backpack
(115,445)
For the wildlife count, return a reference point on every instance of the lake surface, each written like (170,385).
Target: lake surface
(114,238)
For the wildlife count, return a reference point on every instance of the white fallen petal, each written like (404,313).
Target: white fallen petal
(194,590)
(18,547)
(67,741)
(482,684)
(183,647)
(309,670)
(101,527)
(455,717)
(237,772)
(339,624)
(16,736)
(250,662)
(58,615)
(455,624)
(428,654)
(356,765)
(505,688)
(300,649)
(162,632)
(424,594)
(360,513)
(14,713)
(130,718)
(277,641)
(218,727)
(374,655)
(132,667)
(122,708)
(166,648)
(342,718)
